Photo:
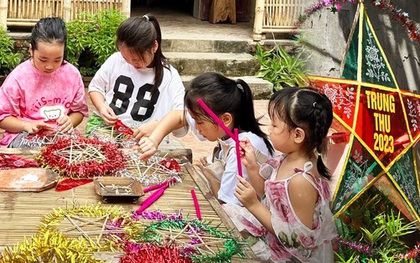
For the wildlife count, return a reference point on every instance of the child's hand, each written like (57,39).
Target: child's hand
(248,155)
(108,115)
(203,161)
(246,193)
(147,148)
(144,130)
(65,123)
(36,126)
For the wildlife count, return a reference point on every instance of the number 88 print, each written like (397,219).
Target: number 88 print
(123,92)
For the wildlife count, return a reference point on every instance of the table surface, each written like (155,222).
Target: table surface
(21,212)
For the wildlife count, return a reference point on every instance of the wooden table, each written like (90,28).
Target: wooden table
(21,212)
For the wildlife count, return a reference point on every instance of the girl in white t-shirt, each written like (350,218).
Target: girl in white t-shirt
(136,84)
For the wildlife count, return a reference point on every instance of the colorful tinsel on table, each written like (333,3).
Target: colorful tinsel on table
(221,248)
(395,13)
(110,229)
(156,215)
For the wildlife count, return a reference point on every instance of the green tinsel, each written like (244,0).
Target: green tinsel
(93,123)
(231,245)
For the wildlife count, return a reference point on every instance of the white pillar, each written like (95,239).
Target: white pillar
(258,19)
(125,8)
(3,13)
(66,10)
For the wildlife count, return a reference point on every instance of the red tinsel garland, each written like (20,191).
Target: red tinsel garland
(88,166)
(395,13)
(151,253)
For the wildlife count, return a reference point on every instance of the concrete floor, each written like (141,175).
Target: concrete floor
(181,25)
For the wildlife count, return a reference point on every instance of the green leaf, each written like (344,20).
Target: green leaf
(280,68)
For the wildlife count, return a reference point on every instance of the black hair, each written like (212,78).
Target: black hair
(224,95)
(139,34)
(308,110)
(49,30)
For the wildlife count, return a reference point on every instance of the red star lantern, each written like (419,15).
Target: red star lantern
(382,121)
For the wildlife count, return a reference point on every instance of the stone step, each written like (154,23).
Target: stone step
(206,46)
(261,89)
(229,64)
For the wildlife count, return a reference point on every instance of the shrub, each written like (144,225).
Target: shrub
(91,39)
(373,230)
(280,68)
(8,58)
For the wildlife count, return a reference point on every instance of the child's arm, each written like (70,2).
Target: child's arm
(172,121)
(13,124)
(248,197)
(106,113)
(252,167)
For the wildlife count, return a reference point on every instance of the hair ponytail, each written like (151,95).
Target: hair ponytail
(159,60)
(244,113)
(322,168)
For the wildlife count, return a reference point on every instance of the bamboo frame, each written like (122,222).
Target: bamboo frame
(28,12)
(276,16)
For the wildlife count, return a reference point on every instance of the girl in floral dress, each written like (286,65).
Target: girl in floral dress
(293,222)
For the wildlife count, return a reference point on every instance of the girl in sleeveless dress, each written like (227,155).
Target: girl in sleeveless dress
(293,221)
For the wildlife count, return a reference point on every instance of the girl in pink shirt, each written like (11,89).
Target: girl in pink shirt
(45,92)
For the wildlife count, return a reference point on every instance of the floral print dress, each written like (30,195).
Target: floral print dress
(294,241)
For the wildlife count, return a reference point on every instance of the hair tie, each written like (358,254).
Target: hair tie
(314,104)
(146,17)
(239,86)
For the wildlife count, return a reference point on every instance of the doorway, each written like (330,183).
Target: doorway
(199,9)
